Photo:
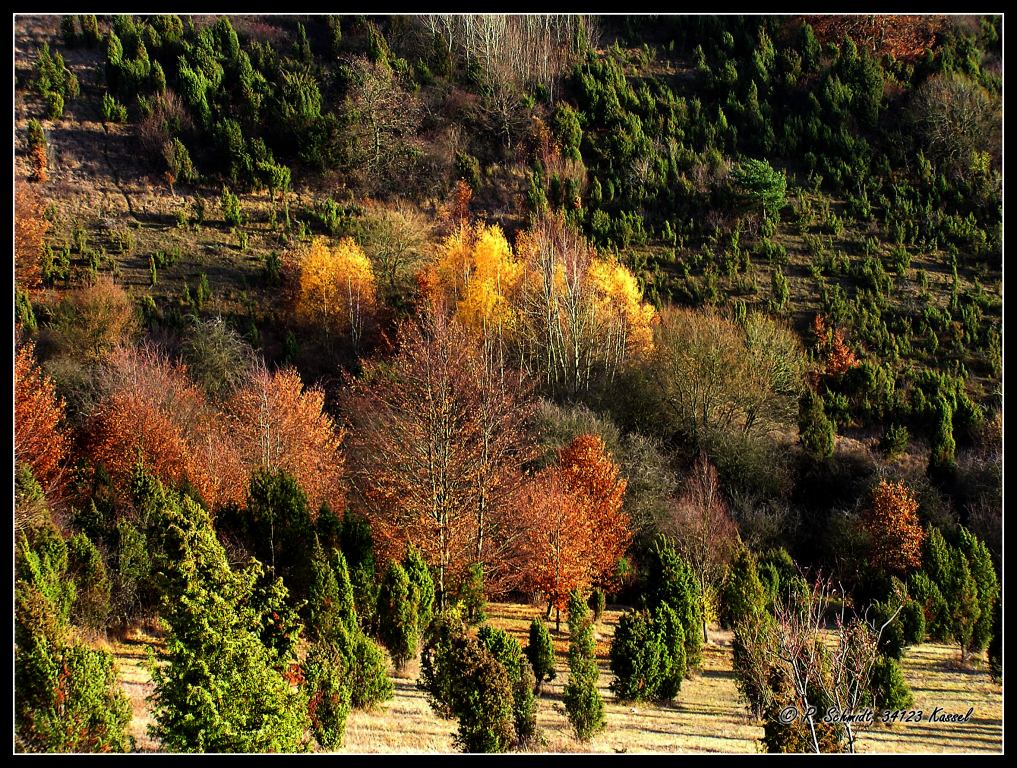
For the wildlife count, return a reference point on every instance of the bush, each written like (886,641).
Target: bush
(328,689)
(583,704)
(464,680)
(540,652)
(889,688)
(912,619)
(230,204)
(891,641)
(934,608)
(895,440)
(421,585)
(368,669)
(524,704)
(113,111)
(670,580)
(635,657)
(88,569)
(398,623)
(742,596)
(471,595)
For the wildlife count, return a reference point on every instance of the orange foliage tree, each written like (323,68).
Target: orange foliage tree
(278,425)
(30,228)
(39,440)
(576,531)
(154,414)
(435,450)
(839,358)
(895,534)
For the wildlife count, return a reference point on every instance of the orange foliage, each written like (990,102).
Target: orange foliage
(894,531)
(39,164)
(30,227)
(154,414)
(575,528)
(278,425)
(336,287)
(831,344)
(38,438)
(900,36)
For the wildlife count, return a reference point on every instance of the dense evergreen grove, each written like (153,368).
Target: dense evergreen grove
(694,317)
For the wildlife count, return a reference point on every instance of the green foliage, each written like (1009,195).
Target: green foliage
(421,585)
(507,651)
(670,581)
(889,688)
(113,111)
(398,622)
(540,652)
(230,205)
(88,569)
(927,594)
(23,313)
(471,594)
(583,704)
(984,574)
(742,596)
(328,606)
(327,687)
(279,526)
(761,184)
(815,430)
(648,655)
(464,680)
(221,689)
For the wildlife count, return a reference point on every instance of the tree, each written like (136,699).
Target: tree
(942,461)
(583,704)
(507,651)
(761,184)
(66,695)
(398,624)
(421,586)
(218,359)
(577,531)
(336,287)
(984,574)
(540,652)
(648,655)
(395,239)
(92,320)
(713,376)
(742,598)
(891,522)
(815,430)
(328,694)
(277,424)
(30,228)
(221,688)
(671,581)
(703,530)
(579,316)
(435,452)
(39,439)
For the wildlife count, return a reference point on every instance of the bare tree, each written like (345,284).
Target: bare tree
(704,532)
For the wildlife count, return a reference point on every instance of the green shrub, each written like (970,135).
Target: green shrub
(471,595)
(928,596)
(367,663)
(670,580)
(583,704)
(112,111)
(230,205)
(398,624)
(524,704)
(635,657)
(889,688)
(328,689)
(88,569)
(894,441)
(421,585)
(742,596)
(540,652)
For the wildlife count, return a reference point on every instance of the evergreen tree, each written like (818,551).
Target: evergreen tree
(670,580)
(815,429)
(221,689)
(742,595)
(984,574)
(942,463)
(398,624)
(421,585)
(540,652)
(583,704)
(327,686)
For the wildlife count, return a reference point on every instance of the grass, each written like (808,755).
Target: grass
(708,716)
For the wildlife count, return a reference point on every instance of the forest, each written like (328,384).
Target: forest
(487,383)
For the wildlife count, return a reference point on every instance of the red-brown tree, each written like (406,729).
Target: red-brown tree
(39,439)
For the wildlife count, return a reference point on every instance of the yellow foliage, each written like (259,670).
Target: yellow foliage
(336,287)
(477,269)
(619,306)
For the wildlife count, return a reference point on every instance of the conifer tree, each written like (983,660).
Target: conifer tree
(583,704)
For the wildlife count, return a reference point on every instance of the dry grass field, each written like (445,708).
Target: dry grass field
(707,718)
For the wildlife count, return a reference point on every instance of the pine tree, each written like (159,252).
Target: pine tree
(984,574)
(670,580)
(964,604)
(742,596)
(942,464)
(815,429)
(583,704)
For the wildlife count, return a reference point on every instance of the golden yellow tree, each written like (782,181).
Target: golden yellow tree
(336,287)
